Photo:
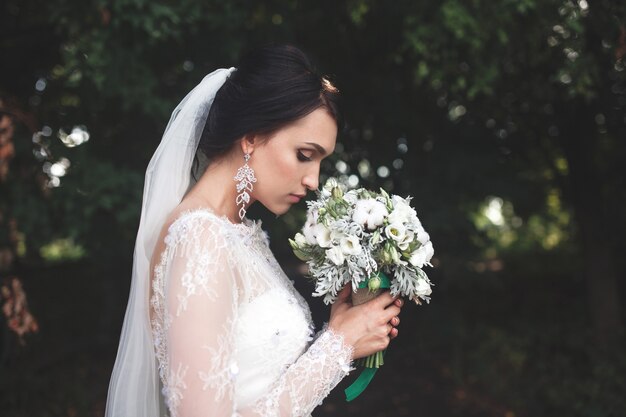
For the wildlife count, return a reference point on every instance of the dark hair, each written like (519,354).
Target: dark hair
(271,87)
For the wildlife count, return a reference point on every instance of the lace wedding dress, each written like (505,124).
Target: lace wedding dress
(232,336)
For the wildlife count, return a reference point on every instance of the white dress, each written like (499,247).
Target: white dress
(232,336)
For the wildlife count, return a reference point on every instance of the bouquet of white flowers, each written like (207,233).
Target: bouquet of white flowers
(371,240)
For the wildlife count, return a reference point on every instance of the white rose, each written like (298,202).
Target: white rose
(421,256)
(399,201)
(422,236)
(402,208)
(397,216)
(396,231)
(369,213)
(423,287)
(401,213)
(408,238)
(322,235)
(350,245)
(335,255)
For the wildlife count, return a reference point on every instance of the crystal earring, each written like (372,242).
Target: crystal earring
(245,177)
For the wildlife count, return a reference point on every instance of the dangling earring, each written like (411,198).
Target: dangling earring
(245,177)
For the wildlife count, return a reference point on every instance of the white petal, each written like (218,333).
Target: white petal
(423,287)
(335,255)
(322,234)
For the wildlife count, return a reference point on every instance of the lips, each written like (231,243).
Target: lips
(296,197)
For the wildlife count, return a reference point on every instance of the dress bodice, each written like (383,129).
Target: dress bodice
(272,332)
(247,332)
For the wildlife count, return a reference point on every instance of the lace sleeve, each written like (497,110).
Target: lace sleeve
(309,380)
(195,311)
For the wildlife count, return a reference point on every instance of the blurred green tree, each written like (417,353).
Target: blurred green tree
(455,101)
(549,79)
(505,120)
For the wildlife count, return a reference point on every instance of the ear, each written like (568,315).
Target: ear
(248,143)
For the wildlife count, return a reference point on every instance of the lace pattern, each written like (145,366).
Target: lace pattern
(223,367)
(231,334)
(326,362)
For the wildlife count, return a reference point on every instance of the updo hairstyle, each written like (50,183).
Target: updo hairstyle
(271,87)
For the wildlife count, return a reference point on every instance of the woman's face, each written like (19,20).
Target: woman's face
(288,163)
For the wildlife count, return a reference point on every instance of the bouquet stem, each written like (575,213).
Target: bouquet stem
(363,295)
(374,361)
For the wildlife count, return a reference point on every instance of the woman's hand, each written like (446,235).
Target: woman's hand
(367,327)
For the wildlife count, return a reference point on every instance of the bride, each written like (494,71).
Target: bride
(213,326)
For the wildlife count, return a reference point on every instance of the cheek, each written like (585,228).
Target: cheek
(277,174)
(281,164)
(286,166)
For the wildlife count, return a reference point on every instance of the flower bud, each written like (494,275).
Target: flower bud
(376,237)
(373,283)
(301,255)
(337,193)
(394,254)
(331,183)
(387,254)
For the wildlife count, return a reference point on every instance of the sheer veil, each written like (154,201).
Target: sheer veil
(134,386)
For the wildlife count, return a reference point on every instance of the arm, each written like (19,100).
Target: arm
(199,370)
(309,380)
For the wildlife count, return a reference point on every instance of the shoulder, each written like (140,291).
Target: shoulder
(202,222)
(197,225)
(203,229)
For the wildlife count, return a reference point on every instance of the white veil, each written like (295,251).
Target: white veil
(134,386)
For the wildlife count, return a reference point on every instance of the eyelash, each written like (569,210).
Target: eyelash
(303,158)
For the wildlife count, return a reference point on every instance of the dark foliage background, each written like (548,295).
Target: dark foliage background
(505,120)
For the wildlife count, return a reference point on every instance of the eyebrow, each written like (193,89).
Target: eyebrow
(318,147)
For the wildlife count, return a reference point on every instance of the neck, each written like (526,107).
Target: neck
(216,188)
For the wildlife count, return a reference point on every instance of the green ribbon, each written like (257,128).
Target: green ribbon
(360,384)
(367,374)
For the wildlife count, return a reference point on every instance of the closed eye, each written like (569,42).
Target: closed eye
(303,157)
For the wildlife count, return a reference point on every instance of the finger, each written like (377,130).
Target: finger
(393,333)
(395,321)
(391,311)
(399,302)
(385,298)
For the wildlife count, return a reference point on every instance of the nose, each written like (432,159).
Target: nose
(311,180)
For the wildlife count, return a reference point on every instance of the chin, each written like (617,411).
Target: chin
(278,209)
(283,210)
